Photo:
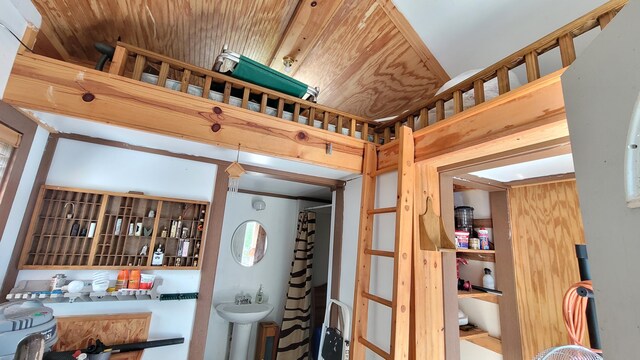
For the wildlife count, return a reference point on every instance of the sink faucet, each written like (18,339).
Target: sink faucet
(242,299)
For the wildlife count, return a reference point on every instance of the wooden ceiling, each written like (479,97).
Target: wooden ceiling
(362,54)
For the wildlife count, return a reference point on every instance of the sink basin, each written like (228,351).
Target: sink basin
(243,314)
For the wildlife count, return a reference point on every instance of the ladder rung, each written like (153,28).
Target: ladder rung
(382,210)
(379,253)
(374,348)
(377,299)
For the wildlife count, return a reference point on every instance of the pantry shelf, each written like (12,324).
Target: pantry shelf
(488,342)
(39,290)
(472,334)
(478,255)
(480,295)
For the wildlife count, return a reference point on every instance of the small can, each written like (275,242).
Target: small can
(474,243)
(462,239)
(483,235)
(57,281)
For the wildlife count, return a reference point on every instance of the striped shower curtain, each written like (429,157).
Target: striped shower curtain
(295,330)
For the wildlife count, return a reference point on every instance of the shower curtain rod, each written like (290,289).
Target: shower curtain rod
(318,207)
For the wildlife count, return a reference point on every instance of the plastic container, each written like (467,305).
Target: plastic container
(464,217)
(123,279)
(483,235)
(462,239)
(487,279)
(134,280)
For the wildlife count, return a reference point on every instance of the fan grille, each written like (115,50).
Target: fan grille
(569,352)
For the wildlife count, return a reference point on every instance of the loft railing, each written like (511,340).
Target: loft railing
(419,116)
(143,65)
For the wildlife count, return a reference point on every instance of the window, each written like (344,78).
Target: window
(9,141)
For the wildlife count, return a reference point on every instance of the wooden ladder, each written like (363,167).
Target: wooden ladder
(402,254)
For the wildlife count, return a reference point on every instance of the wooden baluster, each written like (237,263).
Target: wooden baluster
(226,94)
(439,110)
(567,49)
(312,116)
(119,61)
(533,67)
(605,19)
(164,73)
(186,79)
(424,118)
(280,107)
(504,85)
(339,125)
(458,106)
(396,129)
(364,132)
(387,135)
(138,67)
(207,86)
(352,127)
(411,122)
(478,91)
(325,120)
(376,138)
(263,103)
(245,97)
(296,112)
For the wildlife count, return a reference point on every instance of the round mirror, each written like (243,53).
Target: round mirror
(249,243)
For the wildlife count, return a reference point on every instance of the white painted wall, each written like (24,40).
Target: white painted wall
(84,165)
(279,219)
(21,199)
(600,91)
(15,15)
(486,31)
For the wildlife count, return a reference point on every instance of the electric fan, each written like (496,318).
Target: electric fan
(568,352)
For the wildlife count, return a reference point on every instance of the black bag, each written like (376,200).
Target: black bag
(332,347)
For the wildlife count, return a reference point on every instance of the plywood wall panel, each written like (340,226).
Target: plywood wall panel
(78,332)
(357,52)
(193,31)
(545,224)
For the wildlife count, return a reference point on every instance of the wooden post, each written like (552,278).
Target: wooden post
(207,86)
(245,98)
(458,106)
(263,103)
(504,85)
(325,120)
(364,133)
(567,49)
(424,118)
(186,79)
(533,68)
(352,127)
(119,61)
(138,67)
(439,110)
(478,91)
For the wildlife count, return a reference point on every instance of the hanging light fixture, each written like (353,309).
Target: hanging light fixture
(235,170)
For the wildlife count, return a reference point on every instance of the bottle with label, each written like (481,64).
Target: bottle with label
(75,228)
(178,226)
(134,280)
(164,232)
(123,280)
(487,279)
(259,296)
(158,256)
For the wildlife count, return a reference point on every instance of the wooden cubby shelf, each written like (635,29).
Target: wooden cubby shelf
(88,229)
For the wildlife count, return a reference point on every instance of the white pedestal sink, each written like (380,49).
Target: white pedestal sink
(242,317)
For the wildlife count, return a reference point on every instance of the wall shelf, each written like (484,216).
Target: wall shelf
(472,334)
(476,294)
(88,229)
(488,342)
(478,255)
(39,290)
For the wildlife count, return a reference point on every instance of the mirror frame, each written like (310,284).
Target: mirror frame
(266,246)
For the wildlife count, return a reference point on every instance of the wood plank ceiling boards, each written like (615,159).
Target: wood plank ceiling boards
(362,54)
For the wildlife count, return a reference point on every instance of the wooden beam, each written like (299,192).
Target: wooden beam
(543,180)
(208,268)
(50,85)
(505,276)
(477,182)
(531,114)
(412,37)
(280,196)
(428,325)
(305,27)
